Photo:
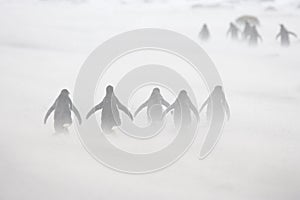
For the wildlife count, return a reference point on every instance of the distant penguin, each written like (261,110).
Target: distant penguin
(246,31)
(204,34)
(233,31)
(284,35)
(254,36)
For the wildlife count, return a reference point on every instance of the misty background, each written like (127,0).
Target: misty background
(42,47)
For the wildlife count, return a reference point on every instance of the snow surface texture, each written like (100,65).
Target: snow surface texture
(44,43)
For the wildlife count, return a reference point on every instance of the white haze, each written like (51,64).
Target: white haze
(42,47)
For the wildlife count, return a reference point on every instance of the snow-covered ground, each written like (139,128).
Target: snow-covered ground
(42,47)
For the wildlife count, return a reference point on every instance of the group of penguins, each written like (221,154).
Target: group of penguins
(182,106)
(110,105)
(249,33)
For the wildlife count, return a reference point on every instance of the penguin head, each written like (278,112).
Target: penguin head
(218,89)
(64,92)
(182,95)
(109,89)
(156,90)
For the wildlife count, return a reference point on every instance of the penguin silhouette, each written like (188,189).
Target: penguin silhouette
(204,34)
(233,31)
(110,106)
(154,106)
(182,110)
(254,36)
(246,31)
(62,108)
(216,103)
(284,35)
